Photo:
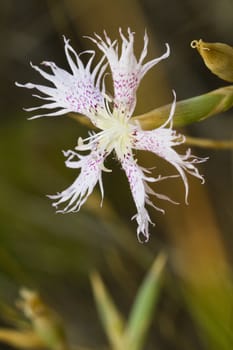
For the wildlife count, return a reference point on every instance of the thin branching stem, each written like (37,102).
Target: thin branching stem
(208,143)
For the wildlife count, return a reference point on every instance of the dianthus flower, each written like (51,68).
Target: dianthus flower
(83,91)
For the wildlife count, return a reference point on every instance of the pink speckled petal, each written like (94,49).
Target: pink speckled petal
(136,179)
(162,141)
(127,71)
(91,167)
(78,91)
(140,190)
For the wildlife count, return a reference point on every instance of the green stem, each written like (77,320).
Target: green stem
(190,110)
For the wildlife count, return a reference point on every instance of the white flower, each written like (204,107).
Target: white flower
(83,91)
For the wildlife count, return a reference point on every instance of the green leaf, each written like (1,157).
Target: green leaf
(144,304)
(111,318)
(191,110)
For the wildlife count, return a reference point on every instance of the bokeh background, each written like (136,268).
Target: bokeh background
(55,253)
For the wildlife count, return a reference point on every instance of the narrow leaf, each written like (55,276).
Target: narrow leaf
(145,302)
(111,318)
(21,339)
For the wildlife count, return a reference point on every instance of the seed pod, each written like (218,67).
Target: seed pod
(218,58)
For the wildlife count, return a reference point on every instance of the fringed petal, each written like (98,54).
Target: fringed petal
(78,91)
(136,180)
(91,167)
(140,190)
(127,71)
(162,141)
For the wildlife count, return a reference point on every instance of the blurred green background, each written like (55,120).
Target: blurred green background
(55,253)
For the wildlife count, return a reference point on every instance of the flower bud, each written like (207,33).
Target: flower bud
(218,57)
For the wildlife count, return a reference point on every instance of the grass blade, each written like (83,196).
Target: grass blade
(111,318)
(143,308)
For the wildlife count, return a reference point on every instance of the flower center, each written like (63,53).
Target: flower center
(116,134)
